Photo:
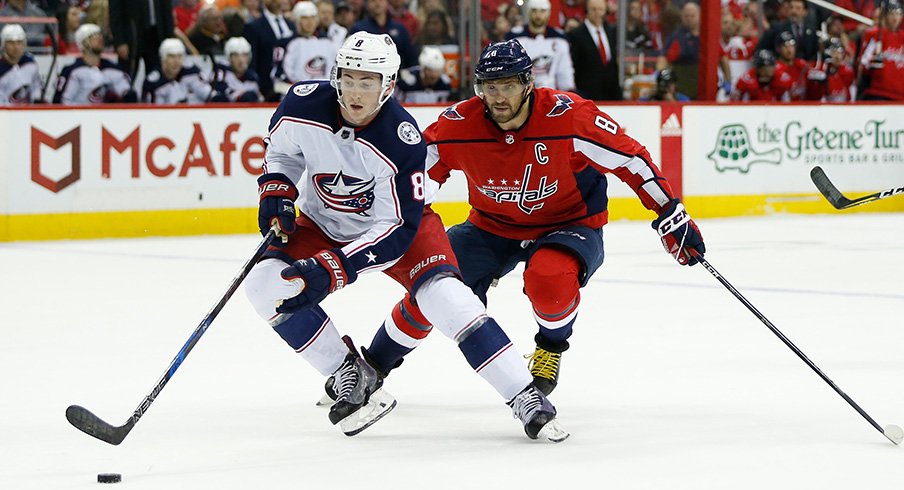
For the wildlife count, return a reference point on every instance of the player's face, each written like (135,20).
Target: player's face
(765,74)
(787,51)
(538,18)
(307,25)
(95,43)
(893,19)
(360,97)
(239,62)
(503,98)
(430,76)
(13,50)
(171,64)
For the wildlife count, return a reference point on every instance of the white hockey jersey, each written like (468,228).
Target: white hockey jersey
(304,58)
(362,186)
(19,83)
(551,56)
(189,87)
(81,83)
(411,90)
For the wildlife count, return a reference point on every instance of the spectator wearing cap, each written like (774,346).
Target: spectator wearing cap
(547,47)
(20,82)
(208,32)
(786,58)
(805,34)
(345,15)
(766,81)
(236,82)
(882,73)
(593,54)
(427,82)
(92,79)
(34,33)
(666,88)
(263,34)
(172,82)
(327,26)
(378,21)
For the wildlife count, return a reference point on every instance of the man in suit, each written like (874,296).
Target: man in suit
(138,27)
(593,52)
(263,34)
(804,33)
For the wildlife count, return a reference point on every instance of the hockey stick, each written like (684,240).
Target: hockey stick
(837,199)
(92,425)
(892,432)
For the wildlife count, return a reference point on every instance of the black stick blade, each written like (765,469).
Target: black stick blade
(82,419)
(828,190)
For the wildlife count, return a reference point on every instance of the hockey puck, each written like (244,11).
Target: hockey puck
(109,478)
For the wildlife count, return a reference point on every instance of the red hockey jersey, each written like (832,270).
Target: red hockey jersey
(548,174)
(748,86)
(888,81)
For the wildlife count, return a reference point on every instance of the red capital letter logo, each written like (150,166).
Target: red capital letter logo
(39,138)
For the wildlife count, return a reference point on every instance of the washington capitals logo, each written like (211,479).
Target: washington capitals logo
(345,194)
(563,103)
(452,113)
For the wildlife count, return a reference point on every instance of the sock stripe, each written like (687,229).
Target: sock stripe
(493,357)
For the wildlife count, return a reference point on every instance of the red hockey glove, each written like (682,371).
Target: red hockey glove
(322,274)
(278,195)
(679,233)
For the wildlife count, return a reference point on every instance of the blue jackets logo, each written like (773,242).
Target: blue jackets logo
(344,193)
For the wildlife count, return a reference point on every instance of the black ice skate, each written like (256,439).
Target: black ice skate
(360,399)
(330,396)
(544,363)
(537,414)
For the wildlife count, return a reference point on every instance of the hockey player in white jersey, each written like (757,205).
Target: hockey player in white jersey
(426,83)
(174,83)
(305,56)
(358,164)
(236,82)
(92,79)
(547,47)
(20,82)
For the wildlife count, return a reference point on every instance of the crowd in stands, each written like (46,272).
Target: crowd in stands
(778,50)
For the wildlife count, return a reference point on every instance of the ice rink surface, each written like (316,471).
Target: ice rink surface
(670,382)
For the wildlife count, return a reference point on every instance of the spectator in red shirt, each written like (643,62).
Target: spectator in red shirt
(398,9)
(69,18)
(786,49)
(866,8)
(186,14)
(764,82)
(832,79)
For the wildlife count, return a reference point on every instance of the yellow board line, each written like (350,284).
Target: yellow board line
(125,224)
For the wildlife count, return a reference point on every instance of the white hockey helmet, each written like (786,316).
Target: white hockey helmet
(171,46)
(537,5)
(84,32)
(431,57)
(304,9)
(237,45)
(12,32)
(375,53)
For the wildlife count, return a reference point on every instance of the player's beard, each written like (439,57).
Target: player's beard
(505,112)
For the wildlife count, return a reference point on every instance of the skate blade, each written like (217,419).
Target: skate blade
(326,401)
(553,432)
(380,404)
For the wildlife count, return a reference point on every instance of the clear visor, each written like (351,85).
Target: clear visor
(499,88)
(352,81)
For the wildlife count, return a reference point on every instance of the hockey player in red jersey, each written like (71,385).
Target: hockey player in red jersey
(765,81)
(832,79)
(882,61)
(787,60)
(536,161)
(355,165)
